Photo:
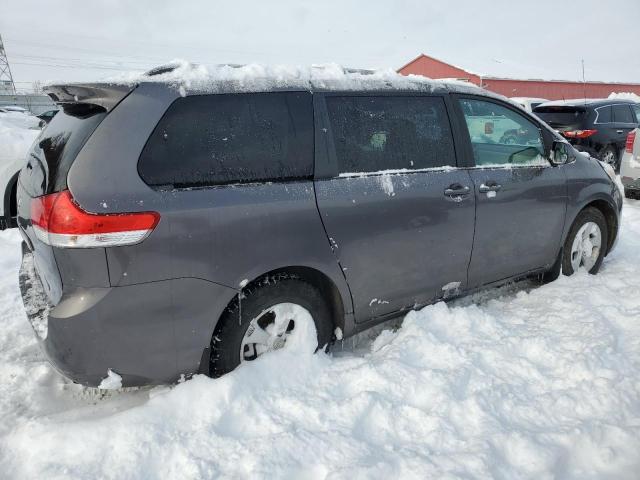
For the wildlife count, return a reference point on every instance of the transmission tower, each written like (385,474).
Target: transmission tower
(6,80)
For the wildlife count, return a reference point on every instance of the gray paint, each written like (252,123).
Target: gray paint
(148,311)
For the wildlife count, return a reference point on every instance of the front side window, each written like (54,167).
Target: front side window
(502,137)
(205,140)
(622,114)
(374,134)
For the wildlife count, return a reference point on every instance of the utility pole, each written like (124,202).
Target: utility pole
(584,83)
(6,80)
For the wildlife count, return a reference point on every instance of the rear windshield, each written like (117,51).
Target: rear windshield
(559,116)
(56,148)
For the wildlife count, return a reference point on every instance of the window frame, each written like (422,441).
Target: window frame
(545,135)
(236,183)
(326,163)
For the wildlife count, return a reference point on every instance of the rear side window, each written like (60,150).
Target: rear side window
(206,140)
(636,111)
(604,115)
(622,114)
(390,133)
(55,150)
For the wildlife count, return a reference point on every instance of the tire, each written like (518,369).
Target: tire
(227,339)
(587,216)
(609,154)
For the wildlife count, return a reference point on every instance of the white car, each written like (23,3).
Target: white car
(528,103)
(16,136)
(630,165)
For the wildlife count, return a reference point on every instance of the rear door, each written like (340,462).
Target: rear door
(520,197)
(398,213)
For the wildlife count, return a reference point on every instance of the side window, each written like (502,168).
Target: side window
(604,115)
(205,140)
(500,136)
(622,114)
(636,111)
(390,133)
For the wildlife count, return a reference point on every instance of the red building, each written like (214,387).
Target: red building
(549,89)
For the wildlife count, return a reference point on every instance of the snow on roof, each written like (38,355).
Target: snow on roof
(190,78)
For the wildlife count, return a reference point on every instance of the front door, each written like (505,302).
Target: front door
(520,197)
(397,212)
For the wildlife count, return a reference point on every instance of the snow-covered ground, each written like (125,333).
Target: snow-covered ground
(519,382)
(524,381)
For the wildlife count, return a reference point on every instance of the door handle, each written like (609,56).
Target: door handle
(620,131)
(456,191)
(491,187)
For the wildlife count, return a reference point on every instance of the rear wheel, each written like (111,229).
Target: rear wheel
(278,313)
(586,243)
(610,155)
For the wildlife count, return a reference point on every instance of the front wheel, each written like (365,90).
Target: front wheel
(278,313)
(586,243)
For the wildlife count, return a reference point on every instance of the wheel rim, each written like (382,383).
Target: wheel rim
(275,328)
(609,157)
(586,246)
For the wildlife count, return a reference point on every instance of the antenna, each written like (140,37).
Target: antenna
(584,83)
(6,80)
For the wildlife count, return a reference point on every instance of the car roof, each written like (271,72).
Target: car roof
(589,102)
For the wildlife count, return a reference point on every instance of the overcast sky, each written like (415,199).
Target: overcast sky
(90,40)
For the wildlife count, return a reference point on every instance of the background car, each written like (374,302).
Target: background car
(528,103)
(598,127)
(14,108)
(630,165)
(46,117)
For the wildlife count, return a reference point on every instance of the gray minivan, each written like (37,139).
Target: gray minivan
(173,228)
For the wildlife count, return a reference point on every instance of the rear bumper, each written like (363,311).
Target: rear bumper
(149,333)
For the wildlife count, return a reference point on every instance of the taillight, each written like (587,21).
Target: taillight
(58,221)
(631,138)
(578,133)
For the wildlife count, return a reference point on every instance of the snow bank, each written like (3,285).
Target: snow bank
(543,383)
(518,382)
(16,134)
(625,96)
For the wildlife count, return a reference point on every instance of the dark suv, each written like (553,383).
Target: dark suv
(177,227)
(598,127)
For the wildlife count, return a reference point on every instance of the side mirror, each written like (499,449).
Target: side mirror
(559,153)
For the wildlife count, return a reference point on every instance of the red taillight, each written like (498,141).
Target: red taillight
(57,220)
(631,138)
(579,133)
